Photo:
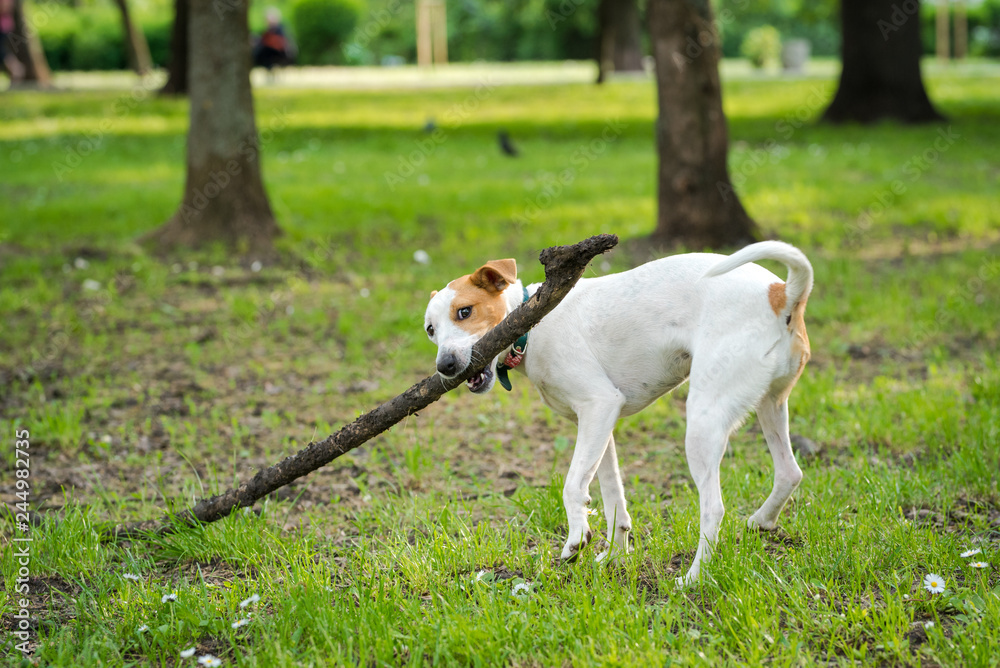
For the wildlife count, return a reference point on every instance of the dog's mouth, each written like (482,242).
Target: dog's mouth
(481,381)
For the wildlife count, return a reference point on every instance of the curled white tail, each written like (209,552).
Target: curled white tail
(800,273)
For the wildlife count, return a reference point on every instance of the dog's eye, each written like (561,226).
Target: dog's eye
(464,312)
(430,331)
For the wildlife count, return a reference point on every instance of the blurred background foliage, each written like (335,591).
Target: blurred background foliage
(86,34)
(321,27)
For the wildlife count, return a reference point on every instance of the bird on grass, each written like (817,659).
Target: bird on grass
(506,145)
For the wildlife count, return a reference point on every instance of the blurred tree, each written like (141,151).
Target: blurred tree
(697,205)
(177,69)
(136,48)
(880,52)
(619,38)
(762,46)
(224,198)
(23,43)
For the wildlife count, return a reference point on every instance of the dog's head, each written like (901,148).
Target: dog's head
(459,315)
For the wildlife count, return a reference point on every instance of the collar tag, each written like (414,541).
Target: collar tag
(514,357)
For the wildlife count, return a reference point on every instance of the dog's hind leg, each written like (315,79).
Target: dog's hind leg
(773,419)
(613,493)
(596,419)
(710,419)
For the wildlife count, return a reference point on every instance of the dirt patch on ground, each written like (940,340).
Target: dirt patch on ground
(51,604)
(964,516)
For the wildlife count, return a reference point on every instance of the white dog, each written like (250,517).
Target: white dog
(616,343)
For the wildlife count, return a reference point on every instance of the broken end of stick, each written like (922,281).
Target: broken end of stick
(578,255)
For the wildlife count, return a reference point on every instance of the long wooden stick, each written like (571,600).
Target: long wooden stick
(564,265)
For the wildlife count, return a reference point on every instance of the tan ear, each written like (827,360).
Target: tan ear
(433,292)
(495,275)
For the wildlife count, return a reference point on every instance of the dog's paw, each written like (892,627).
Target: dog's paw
(689,578)
(686,581)
(614,554)
(762,524)
(609,557)
(571,550)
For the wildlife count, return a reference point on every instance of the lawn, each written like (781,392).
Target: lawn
(146,383)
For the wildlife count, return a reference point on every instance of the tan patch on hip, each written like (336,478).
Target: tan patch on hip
(776,296)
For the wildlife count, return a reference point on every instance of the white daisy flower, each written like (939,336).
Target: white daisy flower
(131,576)
(979,564)
(593,511)
(240,622)
(142,629)
(209,660)
(188,653)
(168,598)
(249,601)
(521,589)
(480,575)
(971,553)
(934,583)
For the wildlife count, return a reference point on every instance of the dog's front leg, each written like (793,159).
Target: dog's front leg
(596,420)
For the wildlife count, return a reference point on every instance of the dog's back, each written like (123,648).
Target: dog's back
(642,328)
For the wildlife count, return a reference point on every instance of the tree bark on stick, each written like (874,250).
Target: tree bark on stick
(564,265)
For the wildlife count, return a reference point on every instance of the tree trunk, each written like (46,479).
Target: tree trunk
(136,47)
(619,38)
(177,70)
(224,197)
(25,45)
(697,205)
(880,52)
(961,30)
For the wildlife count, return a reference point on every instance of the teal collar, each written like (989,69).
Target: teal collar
(514,357)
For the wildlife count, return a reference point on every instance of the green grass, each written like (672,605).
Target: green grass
(175,379)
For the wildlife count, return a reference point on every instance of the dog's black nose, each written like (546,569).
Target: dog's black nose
(448,365)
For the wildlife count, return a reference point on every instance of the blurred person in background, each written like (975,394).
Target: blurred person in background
(273,47)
